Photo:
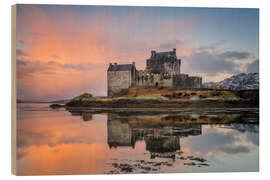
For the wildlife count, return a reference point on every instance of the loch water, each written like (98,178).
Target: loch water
(62,142)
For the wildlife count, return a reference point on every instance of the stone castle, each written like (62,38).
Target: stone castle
(162,70)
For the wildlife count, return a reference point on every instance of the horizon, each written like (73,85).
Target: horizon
(69,98)
(64,50)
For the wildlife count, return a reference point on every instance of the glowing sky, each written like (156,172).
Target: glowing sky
(63,51)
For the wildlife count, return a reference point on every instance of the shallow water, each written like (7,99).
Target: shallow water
(60,142)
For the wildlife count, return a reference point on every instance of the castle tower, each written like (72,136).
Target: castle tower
(163,62)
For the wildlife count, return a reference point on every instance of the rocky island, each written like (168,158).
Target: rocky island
(169,98)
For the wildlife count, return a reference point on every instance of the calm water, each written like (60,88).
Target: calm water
(61,142)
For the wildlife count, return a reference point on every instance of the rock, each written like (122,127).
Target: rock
(190,164)
(232,99)
(203,96)
(115,165)
(194,98)
(57,106)
(157,164)
(215,93)
(162,98)
(125,168)
(203,164)
(194,115)
(198,159)
(146,168)
(182,158)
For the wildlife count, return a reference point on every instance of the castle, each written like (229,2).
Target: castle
(162,70)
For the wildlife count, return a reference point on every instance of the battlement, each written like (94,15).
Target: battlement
(167,54)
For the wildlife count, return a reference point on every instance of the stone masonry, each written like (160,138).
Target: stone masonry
(162,70)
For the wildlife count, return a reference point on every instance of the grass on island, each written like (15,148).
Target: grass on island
(151,97)
(152,93)
(144,92)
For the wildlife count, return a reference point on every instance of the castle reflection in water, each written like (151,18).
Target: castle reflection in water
(162,132)
(161,141)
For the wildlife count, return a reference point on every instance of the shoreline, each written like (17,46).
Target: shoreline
(156,103)
(166,98)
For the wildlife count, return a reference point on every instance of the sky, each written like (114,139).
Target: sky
(63,51)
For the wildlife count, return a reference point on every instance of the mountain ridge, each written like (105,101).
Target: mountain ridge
(236,82)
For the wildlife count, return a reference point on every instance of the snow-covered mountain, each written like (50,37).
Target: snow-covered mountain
(239,81)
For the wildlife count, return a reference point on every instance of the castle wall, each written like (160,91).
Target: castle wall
(118,80)
(183,81)
(166,65)
(166,82)
(196,82)
(143,78)
(173,66)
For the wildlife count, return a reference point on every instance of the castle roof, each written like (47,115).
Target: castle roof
(165,54)
(120,67)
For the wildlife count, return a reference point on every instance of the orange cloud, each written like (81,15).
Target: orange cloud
(72,40)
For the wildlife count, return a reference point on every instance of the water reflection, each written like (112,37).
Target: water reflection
(86,116)
(160,141)
(89,142)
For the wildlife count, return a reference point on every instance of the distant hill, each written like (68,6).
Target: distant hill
(63,101)
(236,82)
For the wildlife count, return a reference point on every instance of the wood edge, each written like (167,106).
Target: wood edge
(13,92)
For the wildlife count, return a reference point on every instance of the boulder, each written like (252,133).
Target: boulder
(57,106)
